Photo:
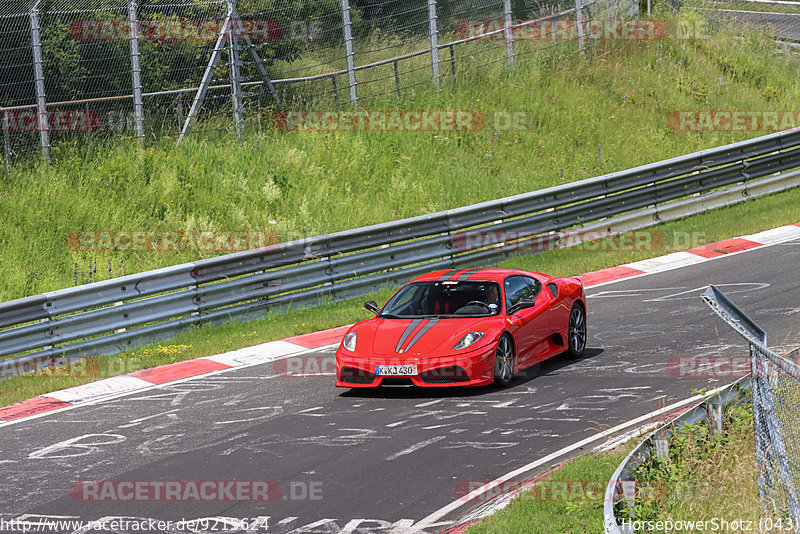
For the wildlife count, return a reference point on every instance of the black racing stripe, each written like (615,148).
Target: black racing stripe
(447,275)
(410,328)
(467,274)
(421,333)
(456,273)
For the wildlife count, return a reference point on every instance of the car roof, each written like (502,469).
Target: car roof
(495,275)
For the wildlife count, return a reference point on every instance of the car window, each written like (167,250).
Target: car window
(516,289)
(535,287)
(445,298)
(521,288)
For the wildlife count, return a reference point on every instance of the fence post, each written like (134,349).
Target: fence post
(88,125)
(555,36)
(396,79)
(509,36)
(434,34)
(179,110)
(7,142)
(335,92)
(136,72)
(233,58)
(579,23)
(41,99)
(348,47)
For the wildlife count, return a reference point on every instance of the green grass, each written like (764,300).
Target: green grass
(568,500)
(706,476)
(585,117)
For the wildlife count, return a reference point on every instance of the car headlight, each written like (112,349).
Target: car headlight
(467,340)
(349,342)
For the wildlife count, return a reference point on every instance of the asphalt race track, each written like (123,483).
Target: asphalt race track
(382,460)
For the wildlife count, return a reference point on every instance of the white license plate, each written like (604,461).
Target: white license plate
(395,370)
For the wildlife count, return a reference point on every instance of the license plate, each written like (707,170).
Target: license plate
(395,370)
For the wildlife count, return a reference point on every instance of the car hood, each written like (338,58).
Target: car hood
(427,337)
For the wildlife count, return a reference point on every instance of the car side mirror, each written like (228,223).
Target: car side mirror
(372,306)
(521,305)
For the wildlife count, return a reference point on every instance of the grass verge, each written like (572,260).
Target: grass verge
(568,500)
(707,478)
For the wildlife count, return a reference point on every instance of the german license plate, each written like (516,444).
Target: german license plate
(395,370)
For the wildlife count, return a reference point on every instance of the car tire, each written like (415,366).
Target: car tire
(504,362)
(576,332)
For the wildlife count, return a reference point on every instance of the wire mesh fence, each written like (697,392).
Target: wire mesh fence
(79,71)
(776,411)
(775,386)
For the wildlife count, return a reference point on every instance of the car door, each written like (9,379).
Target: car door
(548,321)
(526,334)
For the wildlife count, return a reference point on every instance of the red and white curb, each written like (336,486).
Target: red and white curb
(273,350)
(147,378)
(691,256)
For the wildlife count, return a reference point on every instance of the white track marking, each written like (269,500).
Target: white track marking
(458,503)
(106,386)
(415,447)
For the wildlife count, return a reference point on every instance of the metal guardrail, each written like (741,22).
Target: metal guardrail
(776,467)
(117,314)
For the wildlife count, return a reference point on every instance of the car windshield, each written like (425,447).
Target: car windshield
(449,298)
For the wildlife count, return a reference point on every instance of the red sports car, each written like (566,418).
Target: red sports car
(468,327)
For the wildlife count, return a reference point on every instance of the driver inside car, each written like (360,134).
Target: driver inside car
(492,297)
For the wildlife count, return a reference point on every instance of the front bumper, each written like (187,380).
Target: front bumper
(468,368)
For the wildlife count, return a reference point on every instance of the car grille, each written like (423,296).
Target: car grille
(351,375)
(445,375)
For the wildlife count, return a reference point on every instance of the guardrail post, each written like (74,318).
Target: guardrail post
(41,99)
(434,35)
(579,23)
(715,417)
(136,73)
(348,48)
(509,36)
(662,448)
(628,488)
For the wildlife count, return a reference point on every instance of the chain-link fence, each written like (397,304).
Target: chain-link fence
(775,385)
(81,70)
(776,411)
